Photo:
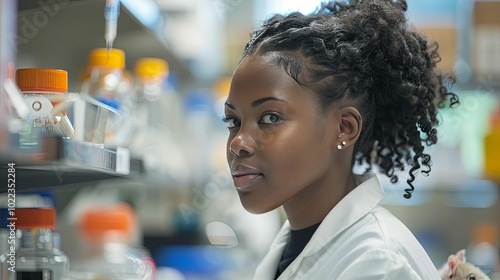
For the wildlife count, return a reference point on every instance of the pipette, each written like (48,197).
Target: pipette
(111,13)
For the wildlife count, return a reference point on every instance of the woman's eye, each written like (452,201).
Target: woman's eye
(270,119)
(231,122)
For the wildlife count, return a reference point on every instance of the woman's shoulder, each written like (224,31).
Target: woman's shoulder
(376,243)
(395,233)
(378,229)
(380,234)
(384,230)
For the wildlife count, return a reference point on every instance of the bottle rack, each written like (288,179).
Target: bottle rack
(74,163)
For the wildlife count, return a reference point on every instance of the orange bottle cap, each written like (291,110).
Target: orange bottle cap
(97,223)
(42,79)
(35,218)
(115,58)
(151,68)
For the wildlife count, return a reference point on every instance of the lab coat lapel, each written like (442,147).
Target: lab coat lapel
(355,205)
(269,265)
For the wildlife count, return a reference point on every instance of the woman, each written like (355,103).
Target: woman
(312,96)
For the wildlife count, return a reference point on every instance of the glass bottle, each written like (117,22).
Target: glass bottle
(108,233)
(44,91)
(103,88)
(34,255)
(155,134)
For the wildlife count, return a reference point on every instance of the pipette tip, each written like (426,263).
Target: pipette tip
(109,46)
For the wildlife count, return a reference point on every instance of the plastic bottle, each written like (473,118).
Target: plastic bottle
(102,89)
(153,85)
(155,132)
(108,233)
(44,91)
(144,102)
(35,256)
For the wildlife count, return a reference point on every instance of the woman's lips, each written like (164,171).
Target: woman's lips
(244,181)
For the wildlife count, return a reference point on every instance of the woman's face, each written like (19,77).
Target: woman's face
(279,148)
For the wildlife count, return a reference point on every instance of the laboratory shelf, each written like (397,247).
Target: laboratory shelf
(61,34)
(75,163)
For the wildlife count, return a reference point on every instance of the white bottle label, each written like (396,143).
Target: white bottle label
(40,116)
(122,161)
(39,106)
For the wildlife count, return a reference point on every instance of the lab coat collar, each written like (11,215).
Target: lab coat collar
(360,201)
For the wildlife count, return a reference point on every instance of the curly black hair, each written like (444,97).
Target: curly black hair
(365,51)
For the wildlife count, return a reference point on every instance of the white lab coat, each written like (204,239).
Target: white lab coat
(358,239)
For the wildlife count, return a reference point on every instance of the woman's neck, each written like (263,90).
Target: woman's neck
(313,204)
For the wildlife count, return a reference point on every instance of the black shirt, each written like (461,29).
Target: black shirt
(298,240)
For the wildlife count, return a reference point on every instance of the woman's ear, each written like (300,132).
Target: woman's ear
(350,124)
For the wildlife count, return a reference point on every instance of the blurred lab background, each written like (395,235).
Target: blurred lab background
(164,175)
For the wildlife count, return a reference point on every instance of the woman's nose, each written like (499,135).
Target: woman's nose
(242,145)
